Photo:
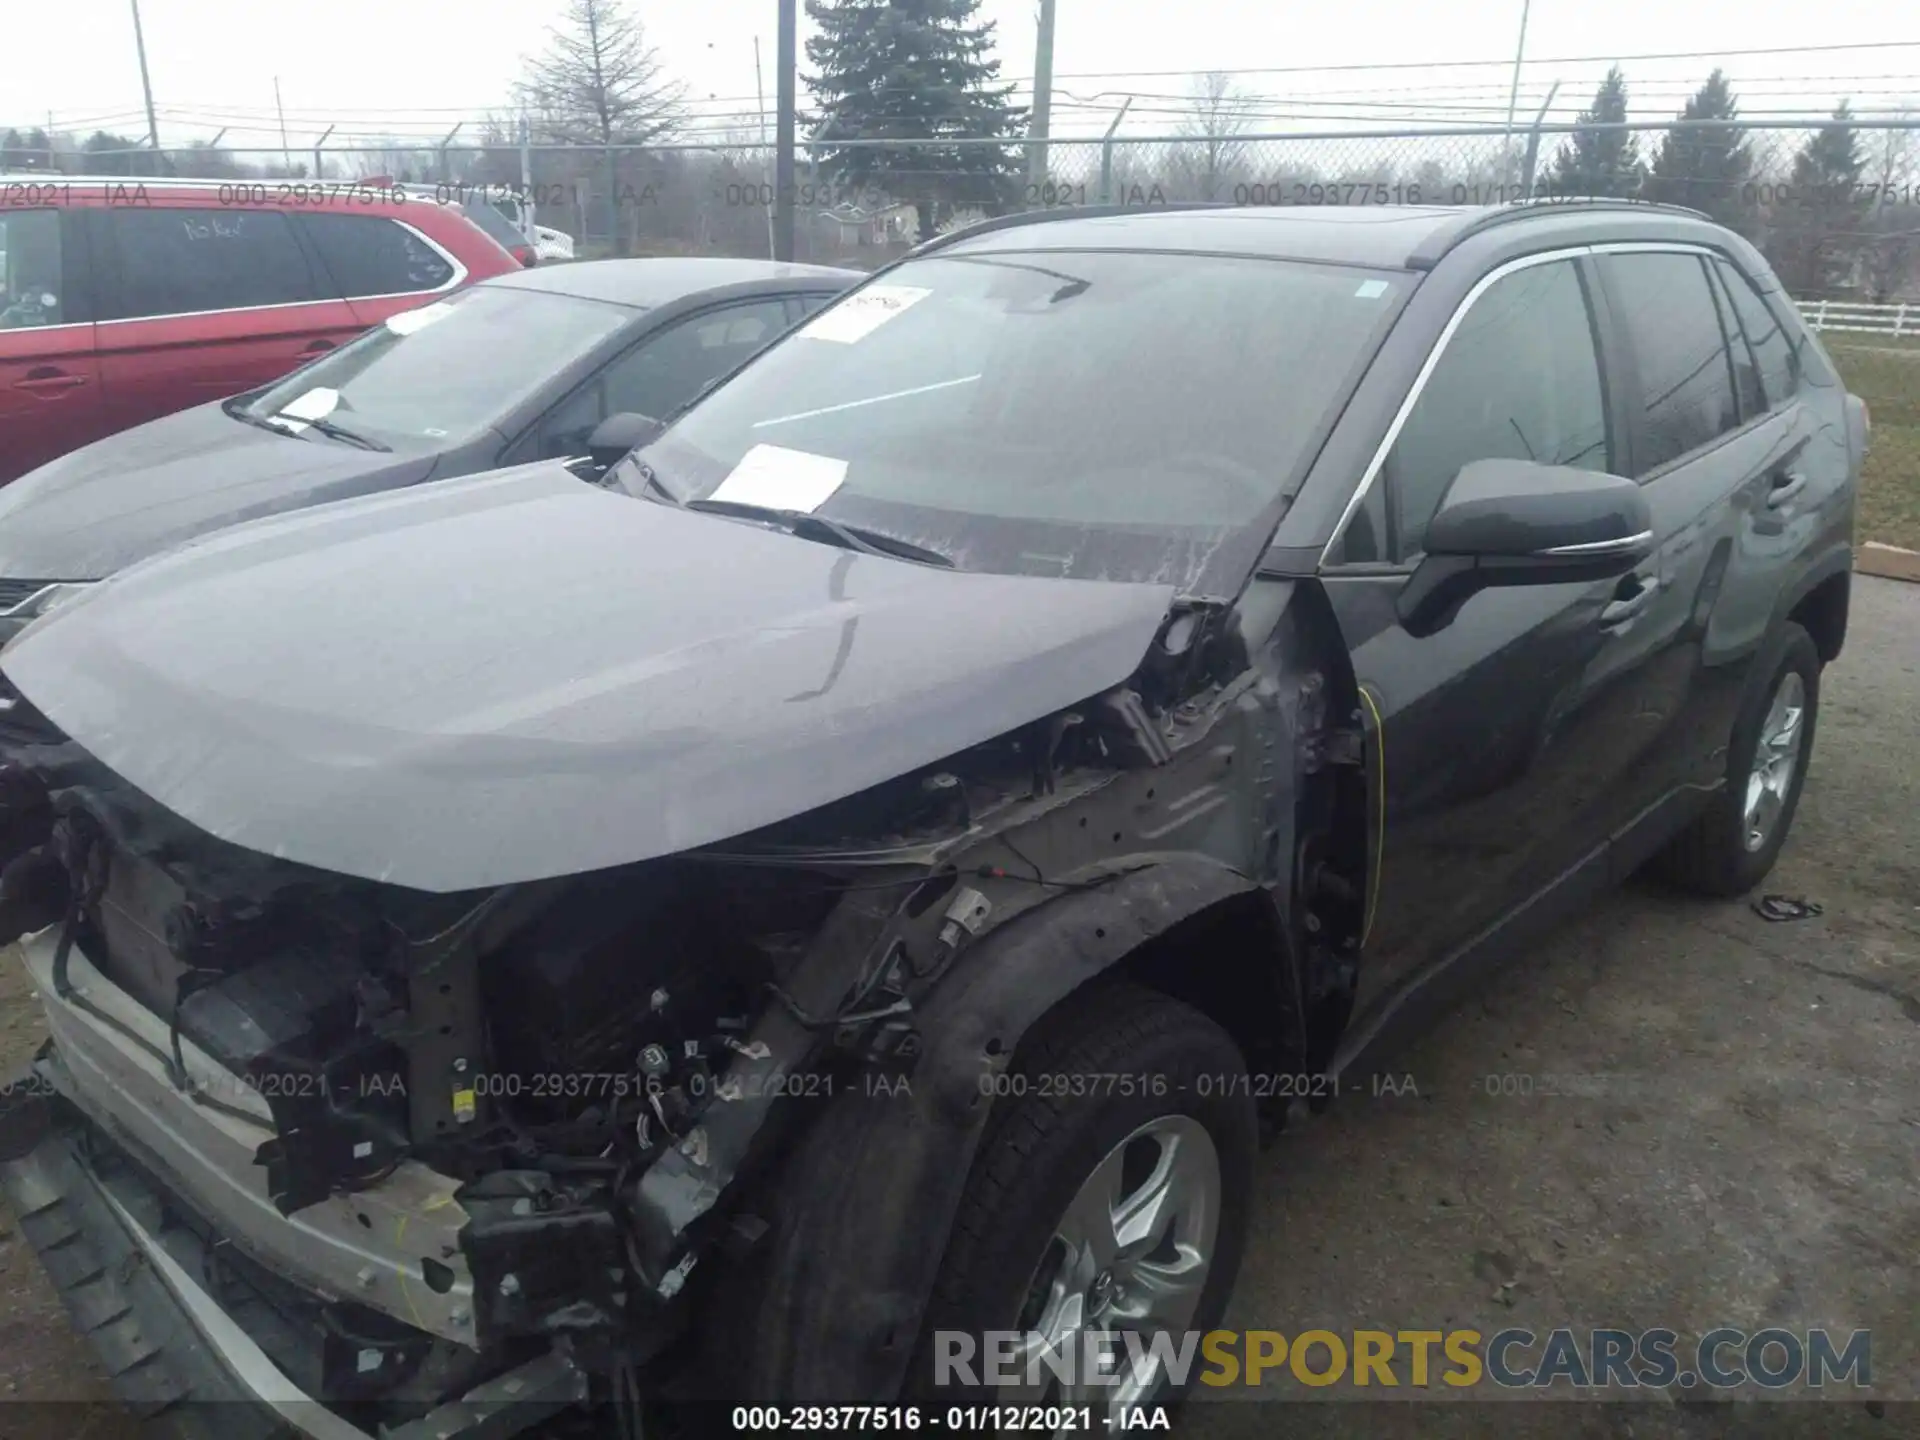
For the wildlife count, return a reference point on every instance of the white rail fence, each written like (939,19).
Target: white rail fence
(1892,321)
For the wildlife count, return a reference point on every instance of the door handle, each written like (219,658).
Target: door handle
(1786,485)
(317,347)
(1622,609)
(48,377)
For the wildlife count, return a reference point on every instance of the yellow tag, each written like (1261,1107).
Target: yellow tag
(464,1108)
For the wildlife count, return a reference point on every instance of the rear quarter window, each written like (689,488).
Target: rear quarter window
(1773,348)
(369,255)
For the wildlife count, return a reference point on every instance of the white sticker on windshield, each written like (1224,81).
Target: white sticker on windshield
(858,316)
(782,479)
(316,404)
(408,321)
(1370,290)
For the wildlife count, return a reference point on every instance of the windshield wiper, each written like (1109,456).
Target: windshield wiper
(653,482)
(837,532)
(241,413)
(344,435)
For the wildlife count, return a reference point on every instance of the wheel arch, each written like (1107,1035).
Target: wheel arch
(863,1208)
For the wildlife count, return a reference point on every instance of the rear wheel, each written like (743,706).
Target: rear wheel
(1734,842)
(1109,1195)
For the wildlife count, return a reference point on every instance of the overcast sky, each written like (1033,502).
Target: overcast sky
(416,66)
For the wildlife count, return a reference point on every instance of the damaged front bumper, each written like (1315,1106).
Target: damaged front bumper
(133,1284)
(135,1196)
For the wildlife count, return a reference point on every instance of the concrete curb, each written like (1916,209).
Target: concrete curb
(1889,562)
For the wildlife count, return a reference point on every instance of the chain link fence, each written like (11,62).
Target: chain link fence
(1833,230)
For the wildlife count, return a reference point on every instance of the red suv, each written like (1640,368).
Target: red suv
(125,300)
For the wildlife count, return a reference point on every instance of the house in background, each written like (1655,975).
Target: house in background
(849,226)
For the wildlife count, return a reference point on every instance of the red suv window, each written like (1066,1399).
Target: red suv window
(192,261)
(373,255)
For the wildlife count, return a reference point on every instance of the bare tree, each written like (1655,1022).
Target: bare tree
(396,160)
(1214,154)
(599,83)
(1890,252)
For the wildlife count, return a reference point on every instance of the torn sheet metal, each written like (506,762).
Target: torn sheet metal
(517,676)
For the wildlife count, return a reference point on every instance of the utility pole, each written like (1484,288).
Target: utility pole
(146,85)
(317,173)
(528,220)
(1042,120)
(787,60)
(1519,55)
(760,90)
(286,152)
(1532,163)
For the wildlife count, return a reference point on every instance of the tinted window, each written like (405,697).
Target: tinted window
(1518,381)
(31,276)
(369,255)
(444,372)
(498,228)
(1686,378)
(1746,371)
(1070,414)
(799,307)
(177,262)
(1772,347)
(663,373)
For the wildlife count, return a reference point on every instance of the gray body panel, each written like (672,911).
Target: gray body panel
(147,489)
(517,676)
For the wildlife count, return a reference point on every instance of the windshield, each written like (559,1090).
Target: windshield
(1111,415)
(446,371)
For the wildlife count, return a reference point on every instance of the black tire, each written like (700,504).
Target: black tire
(1040,1148)
(1710,857)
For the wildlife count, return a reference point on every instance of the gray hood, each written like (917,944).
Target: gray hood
(517,676)
(131,495)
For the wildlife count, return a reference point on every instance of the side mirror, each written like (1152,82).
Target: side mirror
(1513,522)
(618,436)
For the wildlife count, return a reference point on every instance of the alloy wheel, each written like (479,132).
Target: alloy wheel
(1776,760)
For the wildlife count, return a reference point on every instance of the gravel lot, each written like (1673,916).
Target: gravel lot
(1751,1161)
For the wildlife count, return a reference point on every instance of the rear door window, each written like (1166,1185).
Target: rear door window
(1686,375)
(184,261)
(1773,349)
(370,255)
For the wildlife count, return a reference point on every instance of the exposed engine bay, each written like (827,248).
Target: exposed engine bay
(602,1069)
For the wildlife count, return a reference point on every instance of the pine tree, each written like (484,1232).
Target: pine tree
(1601,162)
(1707,166)
(1820,235)
(916,72)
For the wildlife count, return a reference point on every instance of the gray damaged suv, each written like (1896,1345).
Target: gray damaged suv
(864,871)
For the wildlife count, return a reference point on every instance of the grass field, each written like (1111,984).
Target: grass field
(1886,374)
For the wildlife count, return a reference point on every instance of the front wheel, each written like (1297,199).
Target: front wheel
(1734,842)
(1109,1197)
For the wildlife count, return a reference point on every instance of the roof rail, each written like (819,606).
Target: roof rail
(1076,212)
(1429,251)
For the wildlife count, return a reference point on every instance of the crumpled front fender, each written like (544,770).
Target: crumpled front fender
(865,1206)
